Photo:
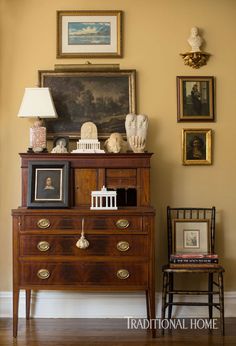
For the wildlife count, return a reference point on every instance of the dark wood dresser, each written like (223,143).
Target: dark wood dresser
(120,256)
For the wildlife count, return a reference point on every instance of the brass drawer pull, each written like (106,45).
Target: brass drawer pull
(122,223)
(43,246)
(43,223)
(43,274)
(122,274)
(123,246)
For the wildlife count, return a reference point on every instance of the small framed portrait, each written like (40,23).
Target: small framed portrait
(64,140)
(89,34)
(48,184)
(191,235)
(196,146)
(195,98)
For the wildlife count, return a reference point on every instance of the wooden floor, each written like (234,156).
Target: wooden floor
(105,332)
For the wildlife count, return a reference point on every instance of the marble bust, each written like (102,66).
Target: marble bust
(195,41)
(115,144)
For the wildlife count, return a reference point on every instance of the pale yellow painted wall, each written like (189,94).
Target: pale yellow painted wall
(155,32)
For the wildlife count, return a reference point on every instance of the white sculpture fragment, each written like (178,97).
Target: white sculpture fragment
(136,130)
(115,144)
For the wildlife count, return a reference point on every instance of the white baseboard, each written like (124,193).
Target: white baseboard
(54,304)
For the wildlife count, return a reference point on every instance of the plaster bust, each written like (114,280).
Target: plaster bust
(59,148)
(115,144)
(195,40)
(89,130)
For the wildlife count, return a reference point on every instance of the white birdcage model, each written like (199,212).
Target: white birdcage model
(103,199)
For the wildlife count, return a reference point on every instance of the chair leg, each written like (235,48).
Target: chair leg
(164,293)
(170,298)
(210,296)
(221,301)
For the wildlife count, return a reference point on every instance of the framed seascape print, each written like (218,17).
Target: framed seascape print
(48,184)
(191,235)
(195,98)
(89,34)
(104,98)
(196,146)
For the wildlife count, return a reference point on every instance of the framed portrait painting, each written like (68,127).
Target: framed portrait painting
(48,184)
(191,236)
(89,34)
(196,147)
(195,98)
(104,97)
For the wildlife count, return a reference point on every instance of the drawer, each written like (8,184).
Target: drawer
(83,273)
(104,222)
(99,245)
(117,178)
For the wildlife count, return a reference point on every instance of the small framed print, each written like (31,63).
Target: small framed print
(89,34)
(48,184)
(196,147)
(195,98)
(191,235)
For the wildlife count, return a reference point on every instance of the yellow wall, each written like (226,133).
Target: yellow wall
(155,32)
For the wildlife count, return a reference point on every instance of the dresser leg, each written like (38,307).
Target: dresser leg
(151,303)
(148,304)
(27,301)
(15,311)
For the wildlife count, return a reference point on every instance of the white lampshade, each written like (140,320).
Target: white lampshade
(37,102)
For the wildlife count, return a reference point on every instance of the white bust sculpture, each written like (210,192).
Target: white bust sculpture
(59,148)
(89,131)
(136,130)
(195,40)
(115,144)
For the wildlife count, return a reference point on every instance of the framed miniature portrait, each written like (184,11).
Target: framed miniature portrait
(195,98)
(48,184)
(89,34)
(191,235)
(61,139)
(196,146)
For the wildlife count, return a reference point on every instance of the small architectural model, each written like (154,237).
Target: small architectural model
(115,144)
(103,199)
(195,58)
(136,130)
(89,139)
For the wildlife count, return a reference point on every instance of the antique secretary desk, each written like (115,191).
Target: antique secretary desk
(120,255)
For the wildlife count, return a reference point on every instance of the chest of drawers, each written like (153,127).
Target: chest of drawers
(120,255)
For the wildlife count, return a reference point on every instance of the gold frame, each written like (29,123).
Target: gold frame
(117,37)
(179,248)
(183,107)
(204,136)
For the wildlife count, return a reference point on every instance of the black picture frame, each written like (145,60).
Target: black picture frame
(103,97)
(195,98)
(48,184)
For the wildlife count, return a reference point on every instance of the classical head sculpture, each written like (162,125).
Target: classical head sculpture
(115,144)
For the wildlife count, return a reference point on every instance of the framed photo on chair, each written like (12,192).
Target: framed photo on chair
(191,235)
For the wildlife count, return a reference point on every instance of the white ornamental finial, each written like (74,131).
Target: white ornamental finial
(195,40)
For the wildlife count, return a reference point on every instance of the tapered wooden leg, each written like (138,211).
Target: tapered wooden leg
(164,290)
(27,301)
(148,304)
(210,296)
(170,298)
(15,311)
(152,311)
(221,298)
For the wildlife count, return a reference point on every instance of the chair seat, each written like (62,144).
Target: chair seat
(216,269)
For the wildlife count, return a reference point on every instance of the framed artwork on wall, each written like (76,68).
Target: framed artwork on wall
(48,184)
(104,98)
(191,235)
(196,146)
(89,34)
(195,98)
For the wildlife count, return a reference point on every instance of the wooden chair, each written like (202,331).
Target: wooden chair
(215,288)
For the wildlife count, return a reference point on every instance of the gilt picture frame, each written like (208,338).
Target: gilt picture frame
(191,236)
(48,183)
(197,146)
(103,97)
(89,34)
(195,98)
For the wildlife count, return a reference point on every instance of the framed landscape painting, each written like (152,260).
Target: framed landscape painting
(104,98)
(195,98)
(84,34)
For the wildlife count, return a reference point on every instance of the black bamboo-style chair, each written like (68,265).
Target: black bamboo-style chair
(215,289)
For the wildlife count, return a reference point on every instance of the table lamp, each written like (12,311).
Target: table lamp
(37,102)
